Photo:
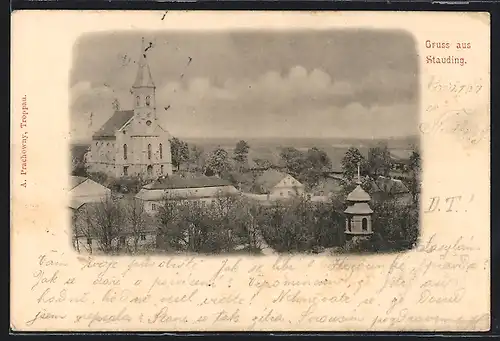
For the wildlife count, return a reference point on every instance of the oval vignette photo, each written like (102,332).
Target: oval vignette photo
(242,142)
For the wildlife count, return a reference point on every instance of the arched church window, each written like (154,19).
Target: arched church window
(125,152)
(364,224)
(349,223)
(150,170)
(148,100)
(161,151)
(149,151)
(137,101)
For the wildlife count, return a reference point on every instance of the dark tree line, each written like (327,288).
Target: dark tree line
(231,222)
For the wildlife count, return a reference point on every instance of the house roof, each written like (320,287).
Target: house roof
(75,204)
(160,195)
(359,208)
(330,184)
(76,180)
(191,182)
(358,195)
(270,178)
(114,123)
(390,185)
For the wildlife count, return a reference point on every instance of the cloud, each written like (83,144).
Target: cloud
(299,102)
(91,106)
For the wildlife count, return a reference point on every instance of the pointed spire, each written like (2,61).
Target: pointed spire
(143,78)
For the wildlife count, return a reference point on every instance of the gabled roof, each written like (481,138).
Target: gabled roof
(330,184)
(359,195)
(390,185)
(270,178)
(114,123)
(191,182)
(76,180)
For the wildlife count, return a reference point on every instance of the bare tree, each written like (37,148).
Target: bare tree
(166,217)
(136,220)
(247,224)
(225,214)
(84,227)
(75,229)
(105,221)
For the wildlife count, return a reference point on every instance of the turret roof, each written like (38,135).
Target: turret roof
(359,208)
(358,195)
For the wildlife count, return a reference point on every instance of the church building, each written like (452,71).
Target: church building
(132,142)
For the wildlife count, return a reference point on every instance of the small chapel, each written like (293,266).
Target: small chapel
(358,213)
(132,142)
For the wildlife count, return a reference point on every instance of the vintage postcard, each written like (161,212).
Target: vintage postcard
(250,171)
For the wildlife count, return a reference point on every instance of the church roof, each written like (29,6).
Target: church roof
(359,208)
(143,77)
(114,123)
(358,194)
(194,182)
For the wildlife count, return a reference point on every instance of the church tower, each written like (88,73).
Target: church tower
(358,213)
(143,91)
(132,143)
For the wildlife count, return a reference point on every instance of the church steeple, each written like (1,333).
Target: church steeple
(143,78)
(143,91)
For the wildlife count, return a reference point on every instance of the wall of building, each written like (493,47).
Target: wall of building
(102,157)
(107,156)
(357,224)
(287,187)
(203,194)
(137,154)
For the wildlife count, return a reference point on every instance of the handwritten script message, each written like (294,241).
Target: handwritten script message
(335,292)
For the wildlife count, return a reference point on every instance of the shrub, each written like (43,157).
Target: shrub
(300,225)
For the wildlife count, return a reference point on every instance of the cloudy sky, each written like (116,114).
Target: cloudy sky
(254,84)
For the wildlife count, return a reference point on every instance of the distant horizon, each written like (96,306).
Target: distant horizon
(237,138)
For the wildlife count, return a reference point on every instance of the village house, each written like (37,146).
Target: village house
(329,184)
(198,188)
(393,188)
(84,190)
(132,142)
(275,184)
(126,238)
